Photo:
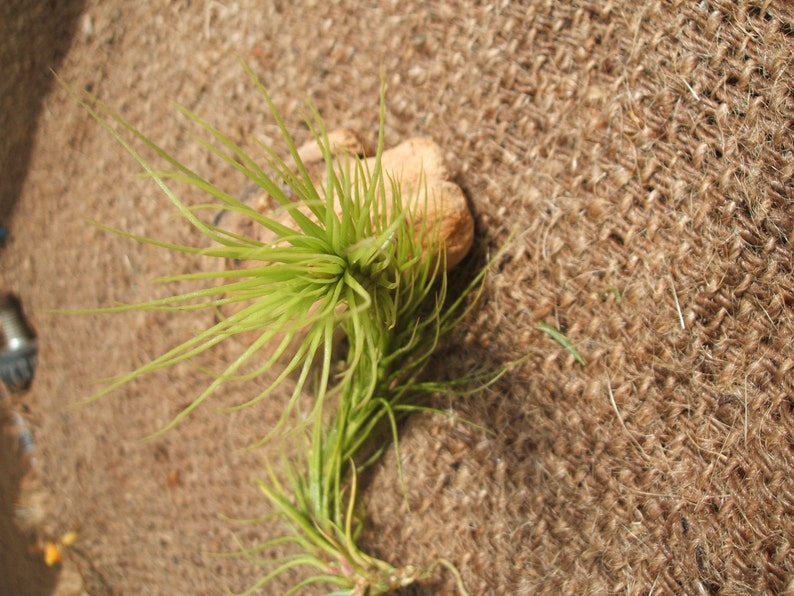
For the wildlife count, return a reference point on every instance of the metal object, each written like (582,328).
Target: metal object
(18,345)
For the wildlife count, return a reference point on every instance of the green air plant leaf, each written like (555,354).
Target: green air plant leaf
(348,260)
(314,266)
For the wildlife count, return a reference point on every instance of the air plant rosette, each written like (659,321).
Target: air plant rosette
(359,251)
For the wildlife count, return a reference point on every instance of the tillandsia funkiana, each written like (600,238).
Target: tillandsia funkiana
(348,257)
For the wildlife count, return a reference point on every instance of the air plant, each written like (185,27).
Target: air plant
(348,260)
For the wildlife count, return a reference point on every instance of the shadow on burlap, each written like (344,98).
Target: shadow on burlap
(33,40)
(642,154)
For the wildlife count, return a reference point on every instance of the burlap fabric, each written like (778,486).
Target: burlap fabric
(642,154)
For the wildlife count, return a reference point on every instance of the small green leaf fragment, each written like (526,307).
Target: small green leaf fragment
(560,338)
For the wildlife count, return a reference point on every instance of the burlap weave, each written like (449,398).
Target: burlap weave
(642,151)
(645,152)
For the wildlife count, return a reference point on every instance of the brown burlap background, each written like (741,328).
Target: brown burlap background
(641,150)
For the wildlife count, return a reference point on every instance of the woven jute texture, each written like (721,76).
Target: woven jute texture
(640,154)
(645,150)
